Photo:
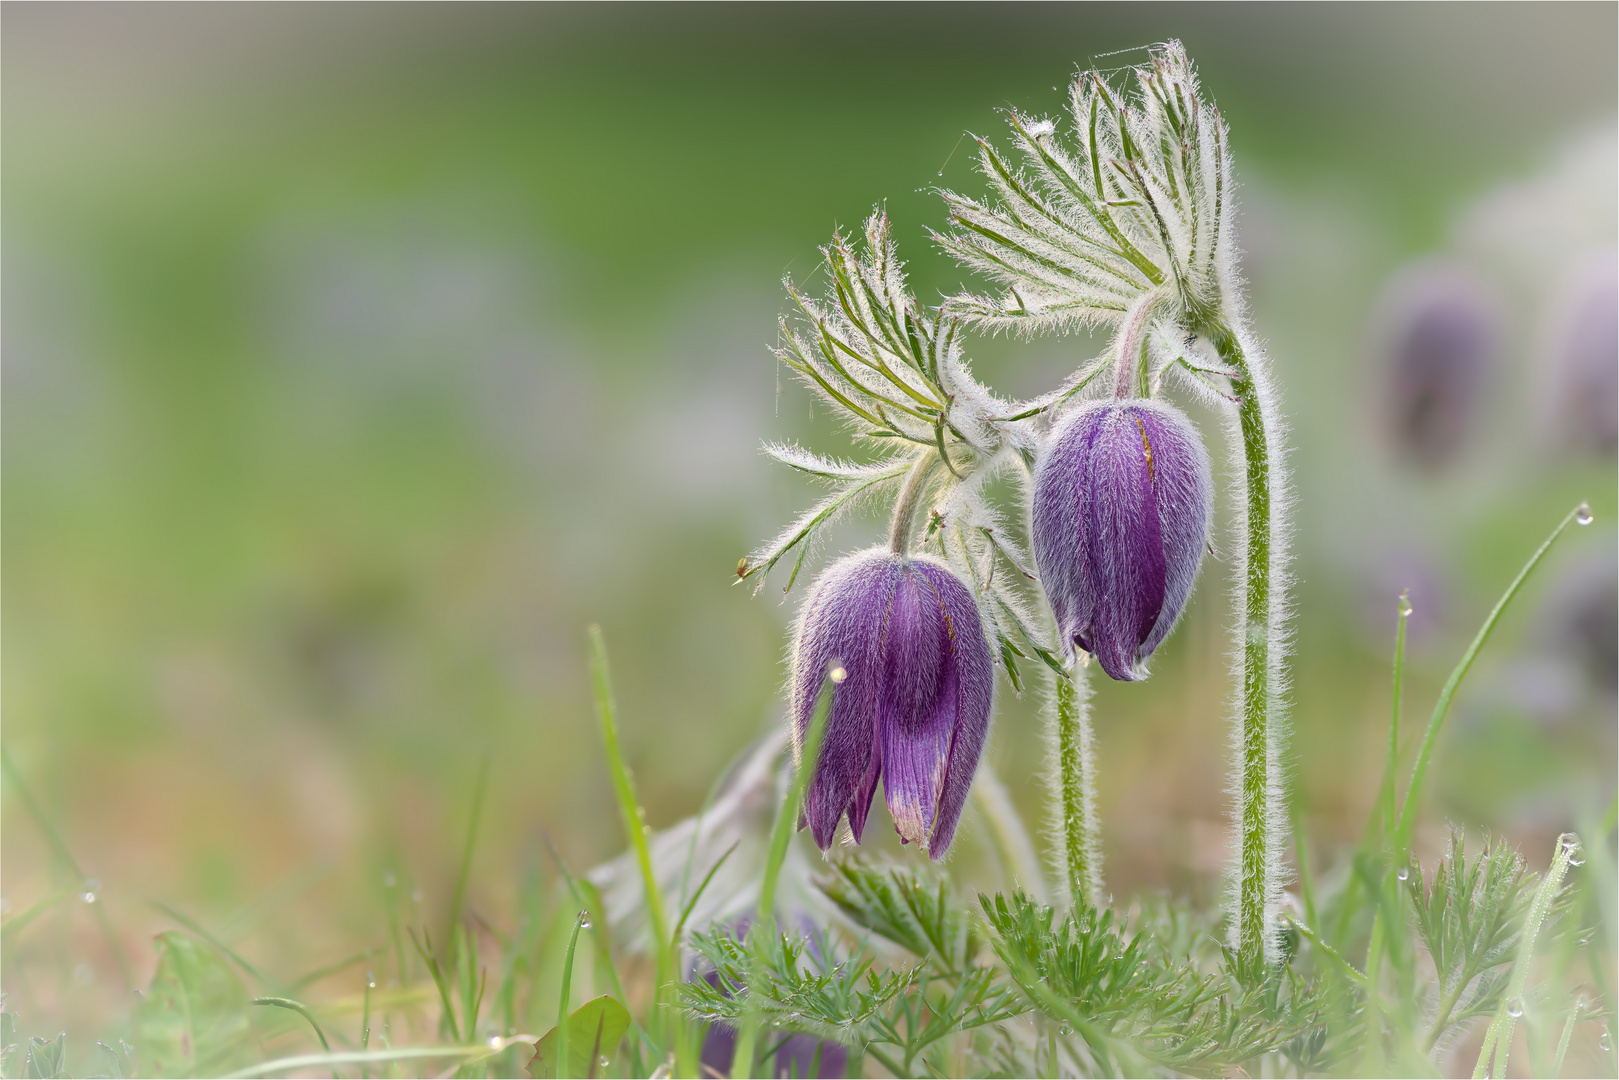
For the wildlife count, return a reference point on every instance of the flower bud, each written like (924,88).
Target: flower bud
(913,705)
(1123,494)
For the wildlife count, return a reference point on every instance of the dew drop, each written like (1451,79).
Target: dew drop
(1583,515)
(838,674)
(1403,873)
(1575,860)
(1515,1007)
(584,920)
(1605,1042)
(494,1042)
(371,980)
(1405,604)
(941,172)
(604,1062)
(89,893)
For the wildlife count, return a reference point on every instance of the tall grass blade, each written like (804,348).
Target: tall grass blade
(1407,818)
(635,829)
(458,899)
(742,1063)
(65,857)
(562,1002)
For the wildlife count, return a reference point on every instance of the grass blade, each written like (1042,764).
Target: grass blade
(562,1001)
(780,835)
(1407,819)
(302,1010)
(458,899)
(635,830)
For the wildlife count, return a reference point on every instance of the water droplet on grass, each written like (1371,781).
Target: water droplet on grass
(584,920)
(494,1042)
(838,674)
(371,980)
(1403,873)
(89,893)
(1515,1007)
(1583,515)
(1405,604)
(604,1062)
(1605,1042)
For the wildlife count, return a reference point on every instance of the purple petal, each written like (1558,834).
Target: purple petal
(1127,548)
(1184,484)
(1060,528)
(841,621)
(916,709)
(974,688)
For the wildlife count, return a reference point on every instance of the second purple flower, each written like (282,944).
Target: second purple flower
(913,707)
(1123,494)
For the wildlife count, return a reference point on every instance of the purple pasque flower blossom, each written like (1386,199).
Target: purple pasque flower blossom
(913,706)
(1123,494)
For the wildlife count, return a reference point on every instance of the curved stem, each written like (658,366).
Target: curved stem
(903,524)
(1076,776)
(1132,340)
(1260,608)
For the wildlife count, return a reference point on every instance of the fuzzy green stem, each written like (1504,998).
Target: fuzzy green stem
(903,525)
(1131,361)
(1076,768)
(1260,606)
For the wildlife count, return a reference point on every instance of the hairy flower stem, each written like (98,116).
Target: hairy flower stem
(1261,606)
(903,525)
(1076,777)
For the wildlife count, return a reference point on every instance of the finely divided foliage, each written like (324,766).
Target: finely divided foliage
(1382,969)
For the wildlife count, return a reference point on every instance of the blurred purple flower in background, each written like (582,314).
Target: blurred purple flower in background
(1439,335)
(1123,494)
(914,704)
(1585,358)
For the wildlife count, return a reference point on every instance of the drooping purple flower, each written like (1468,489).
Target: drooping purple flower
(913,706)
(1123,494)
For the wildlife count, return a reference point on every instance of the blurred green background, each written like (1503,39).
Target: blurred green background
(356,357)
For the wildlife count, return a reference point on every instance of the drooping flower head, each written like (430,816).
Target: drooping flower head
(1123,494)
(913,706)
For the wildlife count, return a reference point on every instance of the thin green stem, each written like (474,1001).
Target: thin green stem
(903,524)
(1076,774)
(1394,715)
(1407,819)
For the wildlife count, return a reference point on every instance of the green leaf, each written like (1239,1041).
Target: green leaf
(47,1059)
(193,1020)
(594,1031)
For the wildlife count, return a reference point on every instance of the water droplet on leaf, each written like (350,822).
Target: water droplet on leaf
(494,1042)
(1583,515)
(1605,1042)
(1405,604)
(838,674)
(371,980)
(1403,873)
(1515,1007)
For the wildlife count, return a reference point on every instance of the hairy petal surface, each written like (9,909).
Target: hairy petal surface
(1121,516)
(915,702)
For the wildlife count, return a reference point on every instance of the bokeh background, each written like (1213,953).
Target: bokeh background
(356,357)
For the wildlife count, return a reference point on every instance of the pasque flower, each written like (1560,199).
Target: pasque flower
(914,701)
(1121,509)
